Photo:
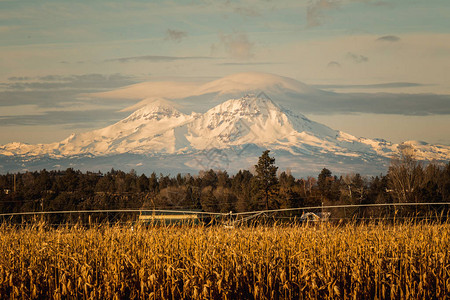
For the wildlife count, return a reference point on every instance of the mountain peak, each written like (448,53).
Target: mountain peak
(154,108)
(252,119)
(249,104)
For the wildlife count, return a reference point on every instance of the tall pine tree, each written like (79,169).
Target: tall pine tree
(266,176)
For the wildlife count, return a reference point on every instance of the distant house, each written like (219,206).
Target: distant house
(171,217)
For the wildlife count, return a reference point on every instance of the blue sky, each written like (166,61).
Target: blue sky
(53,52)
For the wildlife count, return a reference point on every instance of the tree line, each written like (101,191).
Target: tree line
(407,181)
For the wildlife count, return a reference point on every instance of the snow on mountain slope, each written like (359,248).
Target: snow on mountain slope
(425,151)
(157,128)
(17,148)
(149,129)
(257,120)
(150,102)
(239,121)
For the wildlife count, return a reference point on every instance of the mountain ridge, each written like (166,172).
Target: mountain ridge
(238,128)
(254,119)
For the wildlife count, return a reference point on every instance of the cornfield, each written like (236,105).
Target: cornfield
(403,261)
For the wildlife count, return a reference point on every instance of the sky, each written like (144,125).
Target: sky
(373,53)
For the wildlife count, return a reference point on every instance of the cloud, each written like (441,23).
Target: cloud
(93,77)
(315,11)
(389,38)
(50,98)
(69,119)
(156,58)
(369,86)
(247,11)
(19,78)
(248,63)
(236,45)
(55,100)
(333,64)
(243,8)
(57,82)
(5,29)
(175,35)
(357,58)
(375,103)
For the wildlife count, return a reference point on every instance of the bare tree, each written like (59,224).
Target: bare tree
(405,176)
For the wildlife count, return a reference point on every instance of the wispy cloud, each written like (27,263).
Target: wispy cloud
(316,10)
(389,38)
(374,103)
(247,11)
(157,58)
(73,118)
(4,29)
(19,78)
(237,45)
(357,58)
(248,63)
(56,82)
(333,64)
(175,35)
(54,100)
(369,86)
(315,15)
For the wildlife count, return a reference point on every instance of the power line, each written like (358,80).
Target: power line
(256,212)
(107,211)
(339,206)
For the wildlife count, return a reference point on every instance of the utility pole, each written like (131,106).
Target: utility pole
(14,183)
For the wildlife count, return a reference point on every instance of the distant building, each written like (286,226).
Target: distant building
(315,217)
(171,217)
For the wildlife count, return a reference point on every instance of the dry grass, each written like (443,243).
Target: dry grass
(353,261)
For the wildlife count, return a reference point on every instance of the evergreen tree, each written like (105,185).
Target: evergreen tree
(324,183)
(242,189)
(266,176)
(153,183)
(143,183)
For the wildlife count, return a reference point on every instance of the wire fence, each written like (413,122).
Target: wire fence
(359,212)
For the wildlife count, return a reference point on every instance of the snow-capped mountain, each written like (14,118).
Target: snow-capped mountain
(159,127)
(231,135)
(151,128)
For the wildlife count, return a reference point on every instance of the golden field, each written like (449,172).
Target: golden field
(404,261)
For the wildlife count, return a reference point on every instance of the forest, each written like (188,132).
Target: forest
(264,187)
